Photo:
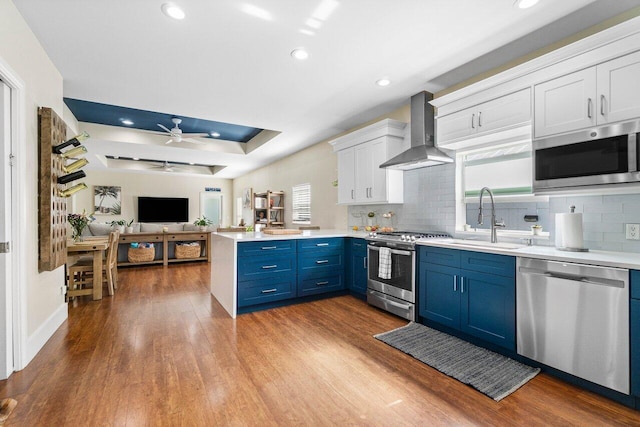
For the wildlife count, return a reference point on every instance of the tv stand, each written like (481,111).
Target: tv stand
(167,243)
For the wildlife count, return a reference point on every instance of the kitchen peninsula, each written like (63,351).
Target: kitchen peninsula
(296,265)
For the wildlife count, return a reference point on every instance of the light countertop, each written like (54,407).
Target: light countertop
(254,236)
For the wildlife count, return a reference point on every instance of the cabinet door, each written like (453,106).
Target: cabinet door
(504,112)
(378,191)
(364,172)
(456,125)
(357,266)
(565,104)
(439,297)
(488,307)
(619,89)
(346,176)
(635,347)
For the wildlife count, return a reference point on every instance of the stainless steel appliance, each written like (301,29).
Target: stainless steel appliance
(396,294)
(588,158)
(575,318)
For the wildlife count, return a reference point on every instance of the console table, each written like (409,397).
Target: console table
(166,241)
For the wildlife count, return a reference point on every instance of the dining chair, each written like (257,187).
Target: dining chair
(80,274)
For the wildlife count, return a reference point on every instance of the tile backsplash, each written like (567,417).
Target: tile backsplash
(429,204)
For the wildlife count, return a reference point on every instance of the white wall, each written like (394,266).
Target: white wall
(163,184)
(21,51)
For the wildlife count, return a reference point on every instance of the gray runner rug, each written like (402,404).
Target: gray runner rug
(490,373)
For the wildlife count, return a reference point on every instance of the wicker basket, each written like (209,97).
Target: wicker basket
(141,254)
(187,251)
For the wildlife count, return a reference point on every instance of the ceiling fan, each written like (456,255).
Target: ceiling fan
(177,136)
(164,167)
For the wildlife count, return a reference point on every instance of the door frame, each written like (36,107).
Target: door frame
(17,305)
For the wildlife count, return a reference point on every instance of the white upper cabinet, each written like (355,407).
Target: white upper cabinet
(606,93)
(496,115)
(360,154)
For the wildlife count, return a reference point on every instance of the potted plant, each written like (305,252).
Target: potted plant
(370,216)
(78,223)
(118,225)
(203,223)
(129,227)
(536,229)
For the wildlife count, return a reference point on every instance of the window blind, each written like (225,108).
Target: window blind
(301,198)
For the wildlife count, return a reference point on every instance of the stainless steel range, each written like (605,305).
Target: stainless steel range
(391,283)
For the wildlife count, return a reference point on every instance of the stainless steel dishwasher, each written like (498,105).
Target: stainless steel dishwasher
(575,318)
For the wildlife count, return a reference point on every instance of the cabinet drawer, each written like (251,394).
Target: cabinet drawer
(190,236)
(312,245)
(128,238)
(635,283)
(358,246)
(320,264)
(275,288)
(318,285)
(266,247)
(442,256)
(501,265)
(259,267)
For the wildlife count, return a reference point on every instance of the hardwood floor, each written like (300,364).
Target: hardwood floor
(162,351)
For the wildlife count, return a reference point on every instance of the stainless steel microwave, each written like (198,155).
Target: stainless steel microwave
(587,159)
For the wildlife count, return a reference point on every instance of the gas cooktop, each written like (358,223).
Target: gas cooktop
(405,236)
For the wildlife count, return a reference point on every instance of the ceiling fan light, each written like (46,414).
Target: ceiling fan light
(173,11)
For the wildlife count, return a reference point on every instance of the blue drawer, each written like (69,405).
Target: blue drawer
(635,283)
(319,285)
(312,245)
(442,256)
(501,265)
(320,263)
(266,247)
(358,246)
(274,288)
(264,266)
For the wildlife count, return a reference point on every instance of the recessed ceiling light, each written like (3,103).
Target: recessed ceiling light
(525,4)
(191,163)
(172,11)
(116,157)
(126,122)
(136,158)
(215,134)
(300,54)
(383,82)
(252,10)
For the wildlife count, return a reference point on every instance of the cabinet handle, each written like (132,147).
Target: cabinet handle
(322,261)
(602,99)
(480,119)
(589,102)
(267,267)
(352,194)
(322,283)
(268,291)
(455,283)
(365,263)
(461,285)
(322,244)
(266,248)
(473,118)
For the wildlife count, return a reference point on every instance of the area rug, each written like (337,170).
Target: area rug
(490,373)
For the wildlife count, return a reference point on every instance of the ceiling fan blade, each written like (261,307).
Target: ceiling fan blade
(192,141)
(164,128)
(195,135)
(169,141)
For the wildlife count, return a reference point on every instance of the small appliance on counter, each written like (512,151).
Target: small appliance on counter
(569,232)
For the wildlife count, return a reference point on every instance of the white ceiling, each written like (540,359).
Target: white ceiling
(223,64)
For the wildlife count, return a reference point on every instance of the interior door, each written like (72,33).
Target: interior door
(6,336)
(211,207)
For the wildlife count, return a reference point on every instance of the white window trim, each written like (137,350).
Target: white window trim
(294,219)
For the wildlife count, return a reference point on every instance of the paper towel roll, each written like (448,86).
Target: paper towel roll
(569,230)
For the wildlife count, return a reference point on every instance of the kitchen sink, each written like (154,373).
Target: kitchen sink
(462,243)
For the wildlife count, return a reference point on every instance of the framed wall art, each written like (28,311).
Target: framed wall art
(107,200)
(247,198)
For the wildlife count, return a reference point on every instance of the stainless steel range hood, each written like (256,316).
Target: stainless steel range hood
(422,153)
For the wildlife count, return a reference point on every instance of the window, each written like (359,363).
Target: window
(301,204)
(506,170)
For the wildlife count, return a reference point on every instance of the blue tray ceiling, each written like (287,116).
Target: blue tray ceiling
(112,115)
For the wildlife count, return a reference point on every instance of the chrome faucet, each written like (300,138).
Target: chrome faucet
(494,223)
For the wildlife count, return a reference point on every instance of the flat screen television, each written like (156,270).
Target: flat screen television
(163,209)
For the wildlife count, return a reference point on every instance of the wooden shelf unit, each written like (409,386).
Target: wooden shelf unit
(165,241)
(273,208)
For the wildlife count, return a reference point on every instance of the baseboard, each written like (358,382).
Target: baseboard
(39,338)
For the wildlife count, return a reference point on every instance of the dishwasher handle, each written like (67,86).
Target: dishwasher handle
(582,279)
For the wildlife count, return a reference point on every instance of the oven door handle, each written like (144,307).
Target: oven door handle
(393,251)
(395,304)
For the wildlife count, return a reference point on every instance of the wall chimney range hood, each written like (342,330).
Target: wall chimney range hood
(423,152)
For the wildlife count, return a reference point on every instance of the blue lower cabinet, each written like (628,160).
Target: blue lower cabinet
(320,285)
(635,332)
(479,301)
(275,288)
(356,268)
(253,268)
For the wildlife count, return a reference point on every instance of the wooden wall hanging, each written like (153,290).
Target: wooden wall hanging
(52,208)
